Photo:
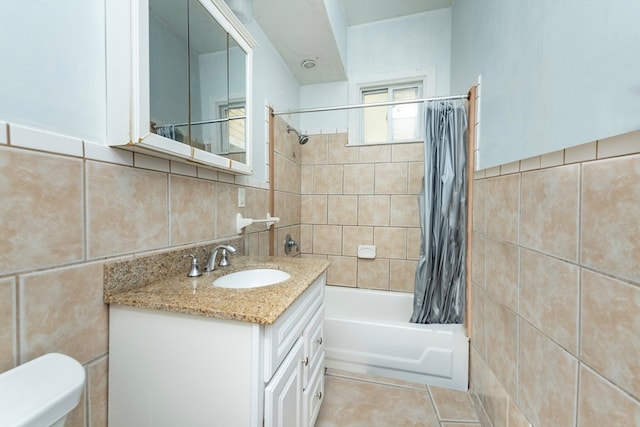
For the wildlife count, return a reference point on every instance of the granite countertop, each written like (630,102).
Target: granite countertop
(197,296)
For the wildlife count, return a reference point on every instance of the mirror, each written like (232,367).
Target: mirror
(197,79)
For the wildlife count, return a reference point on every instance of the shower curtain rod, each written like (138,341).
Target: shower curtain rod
(373,104)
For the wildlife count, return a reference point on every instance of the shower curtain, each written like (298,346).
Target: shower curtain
(439,295)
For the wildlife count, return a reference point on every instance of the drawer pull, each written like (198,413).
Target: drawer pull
(305,361)
(319,395)
(319,341)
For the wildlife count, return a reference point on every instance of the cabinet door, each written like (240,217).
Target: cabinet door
(283,394)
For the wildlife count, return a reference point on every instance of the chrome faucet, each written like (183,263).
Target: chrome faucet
(224,260)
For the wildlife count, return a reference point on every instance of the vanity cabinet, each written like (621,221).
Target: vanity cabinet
(169,369)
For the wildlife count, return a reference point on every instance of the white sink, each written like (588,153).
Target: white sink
(253,278)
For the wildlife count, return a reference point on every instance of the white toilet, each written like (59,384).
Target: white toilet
(40,393)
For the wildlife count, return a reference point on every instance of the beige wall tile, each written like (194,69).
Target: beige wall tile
(413,243)
(306,179)
(342,210)
(549,211)
(530,164)
(315,151)
(477,259)
(339,153)
(373,273)
(327,239)
(342,271)
(192,205)
(359,179)
(609,329)
(226,210)
(452,405)
(76,418)
(610,232)
(41,210)
(478,207)
(306,238)
(257,202)
(549,160)
(501,335)
(286,143)
(97,381)
(390,242)
(354,236)
(391,178)
(603,404)
(516,418)
(292,212)
(407,152)
(402,275)
(549,297)
(313,209)
(119,200)
(477,320)
(580,153)
(373,210)
(548,380)
(374,153)
(628,143)
(494,398)
(508,168)
(502,272)
(327,179)
(404,211)
(416,177)
(62,311)
(8,324)
(501,207)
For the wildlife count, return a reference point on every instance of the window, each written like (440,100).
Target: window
(392,123)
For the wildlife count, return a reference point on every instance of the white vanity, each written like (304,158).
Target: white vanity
(170,368)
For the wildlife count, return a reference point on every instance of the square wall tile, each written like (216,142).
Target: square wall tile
(549,211)
(375,153)
(119,200)
(8,324)
(391,178)
(315,151)
(354,236)
(327,179)
(609,329)
(97,381)
(63,311)
(390,242)
(501,335)
(327,239)
(603,404)
(342,271)
(478,259)
(502,202)
(373,210)
(548,380)
(610,232)
(410,152)
(549,297)
(502,272)
(402,275)
(42,210)
(192,209)
(313,209)
(477,320)
(373,273)
(226,210)
(414,237)
(416,177)
(342,210)
(359,179)
(404,211)
(339,153)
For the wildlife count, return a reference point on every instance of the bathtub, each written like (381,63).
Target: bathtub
(368,332)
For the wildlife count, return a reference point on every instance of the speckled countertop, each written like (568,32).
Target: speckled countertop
(176,292)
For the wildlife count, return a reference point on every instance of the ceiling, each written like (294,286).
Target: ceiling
(301,29)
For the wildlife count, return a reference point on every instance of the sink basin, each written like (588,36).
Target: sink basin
(253,278)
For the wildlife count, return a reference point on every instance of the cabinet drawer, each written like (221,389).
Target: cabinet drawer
(280,336)
(313,395)
(313,342)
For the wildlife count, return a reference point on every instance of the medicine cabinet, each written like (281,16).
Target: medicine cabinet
(179,76)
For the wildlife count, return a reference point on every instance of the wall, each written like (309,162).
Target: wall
(554,73)
(556,288)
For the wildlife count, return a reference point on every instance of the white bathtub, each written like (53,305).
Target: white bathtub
(368,332)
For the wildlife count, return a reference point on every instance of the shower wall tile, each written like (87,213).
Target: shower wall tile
(343,270)
(8,323)
(313,209)
(113,221)
(373,210)
(477,321)
(354,236)
(315,151)
(374,154)
(502,262)
(501,334)
(551,190)
(478,259)
(359,179)
(603,404)
(64,306)
(407,152)
(404,211)
(327,179)
(609,329)
(478,205)
(306,179)
(342,210)
(327,239)
(516,418)
(373,273)
(391,178)
(306,239)
(549,297)
(402,275)
(41,194)
(548,380)
(390,242)
(502,208)
(413,243)
(192,209)
(416,177)
(339,153)
(610,234)
(226,210)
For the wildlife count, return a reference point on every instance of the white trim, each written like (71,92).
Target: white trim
(41,140)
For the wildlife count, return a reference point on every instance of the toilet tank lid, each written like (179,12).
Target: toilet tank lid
(41,391)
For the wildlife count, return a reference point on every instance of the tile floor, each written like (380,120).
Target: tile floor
(353,400)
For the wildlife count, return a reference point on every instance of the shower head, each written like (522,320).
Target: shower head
(302,139)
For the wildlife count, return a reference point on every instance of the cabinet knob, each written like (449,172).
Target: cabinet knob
(305,361)
(319,341)
(319,395)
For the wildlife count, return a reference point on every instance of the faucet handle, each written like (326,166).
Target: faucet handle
(224,259)
(194,271)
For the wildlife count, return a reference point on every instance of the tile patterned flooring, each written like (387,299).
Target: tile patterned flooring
(354,400)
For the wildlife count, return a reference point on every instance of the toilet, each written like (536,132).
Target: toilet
(41,392)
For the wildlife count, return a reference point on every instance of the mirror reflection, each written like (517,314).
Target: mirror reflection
(197,79)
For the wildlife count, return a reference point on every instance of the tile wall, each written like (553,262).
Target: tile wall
(362,196)
(62,216)
(556,288)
